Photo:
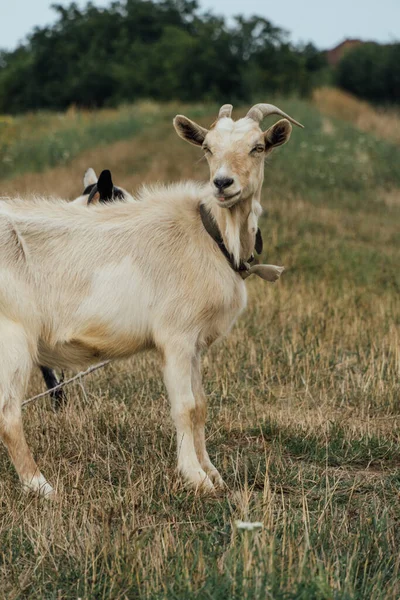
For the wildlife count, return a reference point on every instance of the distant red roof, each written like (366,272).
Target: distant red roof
(334,56)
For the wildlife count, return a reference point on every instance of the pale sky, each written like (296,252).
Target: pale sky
(323,22)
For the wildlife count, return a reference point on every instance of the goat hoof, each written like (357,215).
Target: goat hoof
(38,485)
(216,479)
(206,486)
(199,480)
(214,475)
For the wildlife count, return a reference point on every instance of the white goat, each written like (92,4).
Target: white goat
(81,284)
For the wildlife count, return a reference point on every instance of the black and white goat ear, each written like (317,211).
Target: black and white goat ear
(278,134)
(89,178)
(189,130)
(89,182)
(105,186)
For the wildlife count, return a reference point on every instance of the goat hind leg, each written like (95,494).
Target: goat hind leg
(199,424)
(15,366)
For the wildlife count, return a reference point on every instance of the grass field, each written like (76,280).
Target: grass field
(304,409)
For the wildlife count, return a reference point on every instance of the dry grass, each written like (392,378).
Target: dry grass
(36,141)
(303,400)
(341,105)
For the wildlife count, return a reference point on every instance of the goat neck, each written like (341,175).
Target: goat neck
(238,225)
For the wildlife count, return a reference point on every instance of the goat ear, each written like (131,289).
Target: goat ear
(189,130)
(278,134)
(105,186)
(89,178)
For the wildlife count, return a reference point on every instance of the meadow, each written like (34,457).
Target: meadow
(304,409)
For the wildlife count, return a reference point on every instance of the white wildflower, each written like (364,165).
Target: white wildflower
(248,526)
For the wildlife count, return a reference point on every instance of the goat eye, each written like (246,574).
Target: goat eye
(207,150)
(258,149)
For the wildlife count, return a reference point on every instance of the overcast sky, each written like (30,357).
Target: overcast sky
(324,22)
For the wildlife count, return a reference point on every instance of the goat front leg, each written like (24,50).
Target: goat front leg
(178,381)
(199,424)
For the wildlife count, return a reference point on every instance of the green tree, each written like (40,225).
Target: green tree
(163,49)
(371,71)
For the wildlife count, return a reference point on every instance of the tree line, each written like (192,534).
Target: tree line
(371,71)
(160,49)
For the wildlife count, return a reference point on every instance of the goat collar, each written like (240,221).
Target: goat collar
(213,231)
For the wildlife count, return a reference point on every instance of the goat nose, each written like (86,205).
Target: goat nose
(222,182)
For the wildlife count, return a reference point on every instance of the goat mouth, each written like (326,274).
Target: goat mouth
(225,198)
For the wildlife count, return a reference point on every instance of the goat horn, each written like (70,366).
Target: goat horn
(225,111)
(260,111)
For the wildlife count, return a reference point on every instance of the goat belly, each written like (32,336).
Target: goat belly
(84,351)
(68,355)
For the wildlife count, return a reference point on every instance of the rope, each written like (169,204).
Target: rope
(63,383)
